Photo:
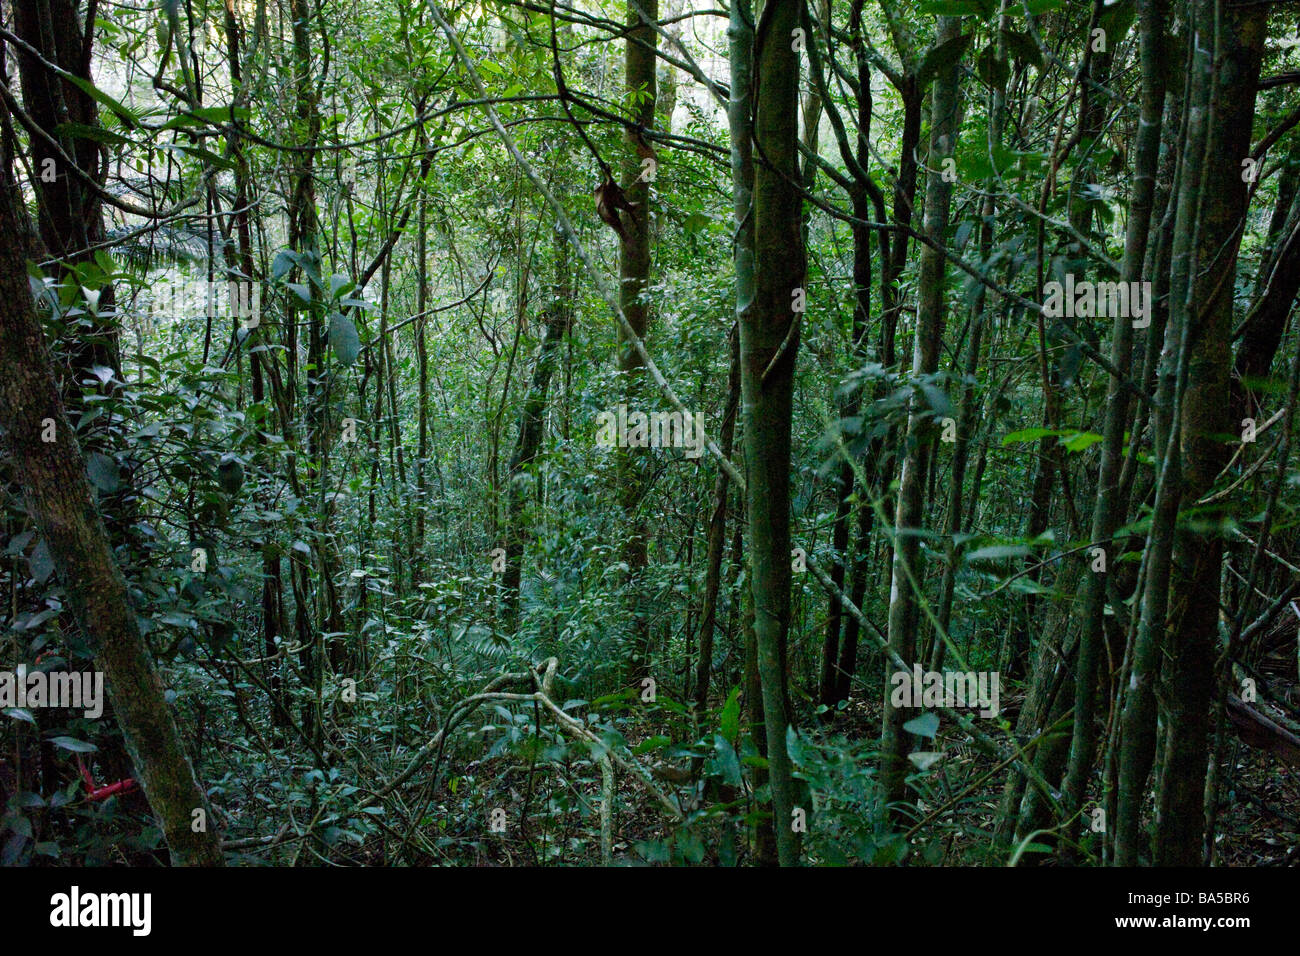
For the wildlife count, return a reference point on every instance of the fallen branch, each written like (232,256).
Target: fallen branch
(541,695)
(1258,730)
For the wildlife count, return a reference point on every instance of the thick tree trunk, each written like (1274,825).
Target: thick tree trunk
(1191,632)
(68,210)
(59,498)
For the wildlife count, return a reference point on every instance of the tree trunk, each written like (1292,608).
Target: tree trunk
(634,271)
(908,575)
(1191,632)
(532,420)
(717,533)
(1107,514)
(769,343)
(59,498)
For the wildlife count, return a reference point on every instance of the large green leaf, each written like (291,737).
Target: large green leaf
(942,57)
(344,338)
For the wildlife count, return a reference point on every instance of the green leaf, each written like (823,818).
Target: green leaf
(959,8)
(339,283)
(925,759)
(937,399)
(102,472)
(1028,434)
(926,725)
(891,851)
(991,70)
(794,745)
(1080,440)
(725,761)
(41,563)
(997,552)
(206,156)
(344,338)
(730,718)
(95,133)
(696,221)
(284,260)
(95,93)
(73,744)
(230,474)
(943,56)
(207,115)
(1022,47)
(658,742)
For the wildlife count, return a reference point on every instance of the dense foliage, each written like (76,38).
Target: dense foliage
(960,336)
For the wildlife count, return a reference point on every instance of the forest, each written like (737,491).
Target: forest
(516,433)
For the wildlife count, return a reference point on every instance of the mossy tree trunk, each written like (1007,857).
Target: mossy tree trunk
(60,501)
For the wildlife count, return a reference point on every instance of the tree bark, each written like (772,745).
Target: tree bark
(1107,514)
(532,420)
(717,533)
(908,576)
(59,498)
(634,272)
(1191,632)
(769,343)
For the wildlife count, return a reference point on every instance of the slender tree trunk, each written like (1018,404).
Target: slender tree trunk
(740,115)
(965,423)
(717,533)
(1152,15)
(769,344)
(908,574)
(634,271)
(839,658)
(422,397)
(532,420)
(1279,284)
(1107,514)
